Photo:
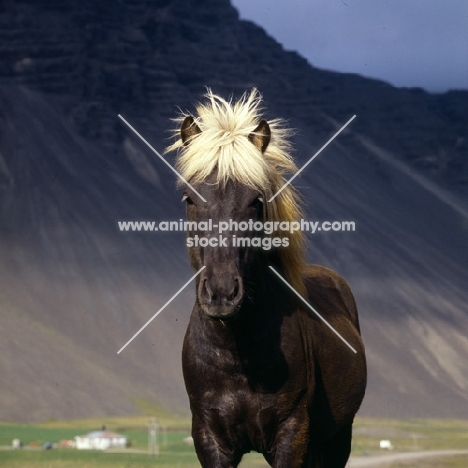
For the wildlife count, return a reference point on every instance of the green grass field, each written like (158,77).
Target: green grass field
(450,462)
(410,434)
(406,435)
(413,435)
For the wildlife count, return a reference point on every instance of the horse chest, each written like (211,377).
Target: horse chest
(246,386)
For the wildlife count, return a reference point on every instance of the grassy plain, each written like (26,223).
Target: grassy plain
(406,435)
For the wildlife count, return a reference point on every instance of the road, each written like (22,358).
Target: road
(372,461)
(380,460)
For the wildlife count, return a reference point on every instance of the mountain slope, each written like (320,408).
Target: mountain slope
(74,289)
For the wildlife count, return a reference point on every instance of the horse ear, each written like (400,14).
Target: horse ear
(260,137)
(188,129)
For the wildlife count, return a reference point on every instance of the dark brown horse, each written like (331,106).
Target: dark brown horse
(263,373)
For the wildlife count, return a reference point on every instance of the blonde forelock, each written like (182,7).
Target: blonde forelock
(223,147)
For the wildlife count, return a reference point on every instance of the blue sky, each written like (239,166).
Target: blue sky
(420,43)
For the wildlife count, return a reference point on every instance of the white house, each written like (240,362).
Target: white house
(100,440)
(386,445)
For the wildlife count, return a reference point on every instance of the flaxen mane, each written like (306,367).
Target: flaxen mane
(223,148)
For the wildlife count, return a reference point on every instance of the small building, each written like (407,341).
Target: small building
(100,440)
(16,443)
(386,444)
(189,441)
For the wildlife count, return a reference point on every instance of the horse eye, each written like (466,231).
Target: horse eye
(187,199)
(257,203)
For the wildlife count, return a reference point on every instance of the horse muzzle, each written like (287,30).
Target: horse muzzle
(220,297)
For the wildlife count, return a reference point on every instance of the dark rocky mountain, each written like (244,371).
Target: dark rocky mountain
(74,289)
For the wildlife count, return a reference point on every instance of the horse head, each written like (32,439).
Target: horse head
(221,285)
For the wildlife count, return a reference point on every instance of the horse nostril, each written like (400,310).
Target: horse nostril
(234,292)
(237,291)
(236,287)
(206,292)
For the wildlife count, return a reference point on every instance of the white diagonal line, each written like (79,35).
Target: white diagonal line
(313,310)
(160,157)
(312,158)
(161,309)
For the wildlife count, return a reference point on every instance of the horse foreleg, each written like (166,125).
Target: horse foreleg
(335,452)
(212,449)
(291,446)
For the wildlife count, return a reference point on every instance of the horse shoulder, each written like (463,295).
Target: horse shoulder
(330,293)
(340,374)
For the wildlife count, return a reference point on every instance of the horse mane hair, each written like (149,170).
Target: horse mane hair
(223,147)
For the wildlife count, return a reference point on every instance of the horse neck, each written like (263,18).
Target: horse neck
(265,296)
(263,280)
